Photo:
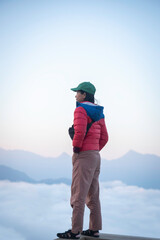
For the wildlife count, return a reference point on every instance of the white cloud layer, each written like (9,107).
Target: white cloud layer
(36,212)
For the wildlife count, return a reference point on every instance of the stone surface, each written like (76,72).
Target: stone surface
(105,236)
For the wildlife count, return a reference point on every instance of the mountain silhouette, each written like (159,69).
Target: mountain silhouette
(12,175)
(7,173)
(133,168)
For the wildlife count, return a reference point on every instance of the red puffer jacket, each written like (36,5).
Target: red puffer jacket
(97,136)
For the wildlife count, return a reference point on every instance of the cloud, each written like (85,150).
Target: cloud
(130,210)
(9,233)
(36,212)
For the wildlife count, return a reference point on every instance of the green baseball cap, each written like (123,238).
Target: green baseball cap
(86,87)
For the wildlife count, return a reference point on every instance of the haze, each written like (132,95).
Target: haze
(48,47)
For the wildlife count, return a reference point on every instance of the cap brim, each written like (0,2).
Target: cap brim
(74,89)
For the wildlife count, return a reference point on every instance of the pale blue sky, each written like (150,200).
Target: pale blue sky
(48,47)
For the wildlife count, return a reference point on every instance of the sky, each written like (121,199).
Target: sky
(126,210)
(48,47)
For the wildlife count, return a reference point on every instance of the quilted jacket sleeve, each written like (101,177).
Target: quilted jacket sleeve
(80,125)
(104,136)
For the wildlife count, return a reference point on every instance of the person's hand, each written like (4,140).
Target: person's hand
(76,149)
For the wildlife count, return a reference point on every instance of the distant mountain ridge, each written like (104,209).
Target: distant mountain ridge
(7,173)
(133,168)
(12,175)
(36,166)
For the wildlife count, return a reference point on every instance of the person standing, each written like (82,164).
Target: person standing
(89,134)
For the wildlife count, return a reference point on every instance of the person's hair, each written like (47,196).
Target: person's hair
(89,97)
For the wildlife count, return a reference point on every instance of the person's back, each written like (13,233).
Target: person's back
(97,135)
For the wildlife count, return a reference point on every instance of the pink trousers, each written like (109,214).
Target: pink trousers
(85,189)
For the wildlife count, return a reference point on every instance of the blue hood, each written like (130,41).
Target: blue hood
(95,112)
